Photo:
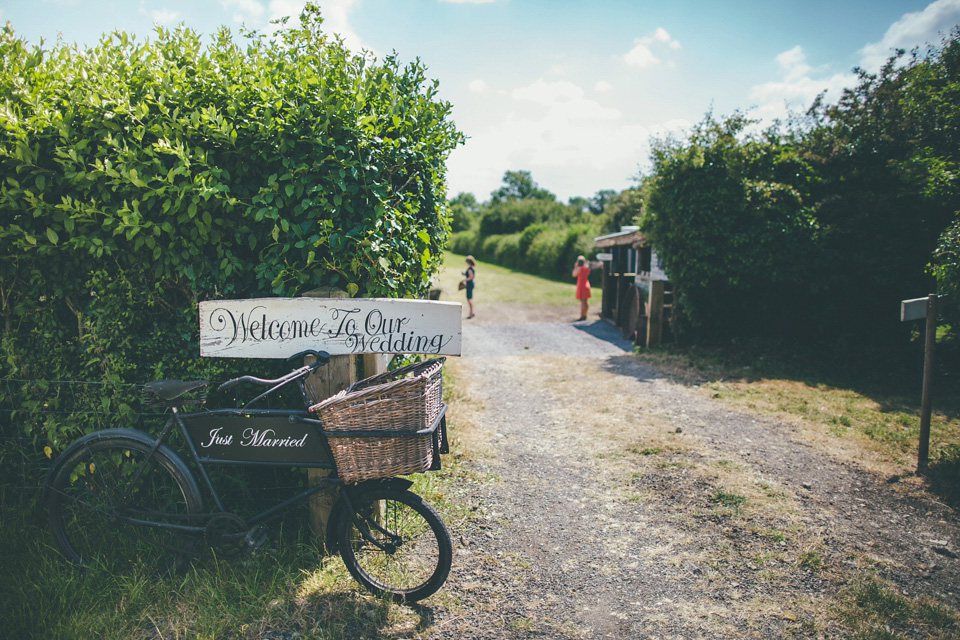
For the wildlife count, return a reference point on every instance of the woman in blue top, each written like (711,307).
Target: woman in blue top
(471,274)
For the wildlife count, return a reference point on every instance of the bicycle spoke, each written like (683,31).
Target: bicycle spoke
(94,527)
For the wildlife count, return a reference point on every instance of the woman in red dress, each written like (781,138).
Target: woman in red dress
(582,273)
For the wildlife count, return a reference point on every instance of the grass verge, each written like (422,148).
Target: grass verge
(497,284)
(867,415)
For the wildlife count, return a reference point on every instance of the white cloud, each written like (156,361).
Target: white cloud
(661,35)
(794,63)
(642,55)
(468,1)
(164,17)
(249,12)
(797,88)
(564,101)
(478,86)
(569,142)
(602,86)
(912,30)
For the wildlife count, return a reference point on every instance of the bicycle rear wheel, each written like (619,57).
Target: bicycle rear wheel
(411,553)
(105,482)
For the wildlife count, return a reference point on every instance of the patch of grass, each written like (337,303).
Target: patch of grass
(772,534)
(288,586)
(497,284)
(875,609)
(523,624)
(645,451)
(729,500)
(811,560)
(670,464)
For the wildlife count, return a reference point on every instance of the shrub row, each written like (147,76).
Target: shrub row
(540,249)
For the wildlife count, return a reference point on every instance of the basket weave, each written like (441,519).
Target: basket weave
(407,399)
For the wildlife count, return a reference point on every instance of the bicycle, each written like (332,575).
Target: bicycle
(120,496)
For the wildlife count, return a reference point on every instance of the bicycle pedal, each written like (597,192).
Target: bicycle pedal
(255,537)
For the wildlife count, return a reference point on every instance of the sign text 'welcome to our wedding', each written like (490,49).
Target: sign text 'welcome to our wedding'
(281,327)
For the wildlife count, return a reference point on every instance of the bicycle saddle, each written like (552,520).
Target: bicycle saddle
(168,390)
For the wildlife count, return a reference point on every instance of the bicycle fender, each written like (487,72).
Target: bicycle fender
(133,434)
(400,484)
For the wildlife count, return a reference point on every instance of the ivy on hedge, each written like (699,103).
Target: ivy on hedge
(139,178)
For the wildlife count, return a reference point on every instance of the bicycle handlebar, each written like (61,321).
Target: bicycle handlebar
(321,358)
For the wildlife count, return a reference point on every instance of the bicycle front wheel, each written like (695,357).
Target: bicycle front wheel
(111,506)
(397,546)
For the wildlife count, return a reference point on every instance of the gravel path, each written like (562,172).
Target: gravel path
(613,503)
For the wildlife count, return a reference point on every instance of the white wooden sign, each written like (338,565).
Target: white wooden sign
(914,309)
(281,327)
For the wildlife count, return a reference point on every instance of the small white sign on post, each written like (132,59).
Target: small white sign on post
(913,309)
(281,327)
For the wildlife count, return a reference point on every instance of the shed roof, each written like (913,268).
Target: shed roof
(627,236)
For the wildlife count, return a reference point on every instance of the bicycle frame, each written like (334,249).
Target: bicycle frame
(193,426)
(269,437)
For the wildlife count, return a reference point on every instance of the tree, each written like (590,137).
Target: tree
(887,157)
(621,209)
(464,212)
(519,185)
(598,203)
(945,267)
(581,203)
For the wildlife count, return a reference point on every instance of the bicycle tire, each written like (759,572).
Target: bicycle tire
(418,566)
(89,495)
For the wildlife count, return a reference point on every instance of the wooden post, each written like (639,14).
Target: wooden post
(655,315)
(323,383)
(608,295)
(925,401)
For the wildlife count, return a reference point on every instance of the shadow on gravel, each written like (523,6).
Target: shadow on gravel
(357,618)
(605,331)
(627,365)
(943,477)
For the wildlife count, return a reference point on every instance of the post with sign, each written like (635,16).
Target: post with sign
(329,320)
(914,310)
(321,384)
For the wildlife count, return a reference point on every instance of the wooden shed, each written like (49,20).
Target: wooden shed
(636,293)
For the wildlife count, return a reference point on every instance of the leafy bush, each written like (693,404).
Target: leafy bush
(142,177)
(465,242)
(736,240)
(886,157)
(946,269)
(817,232)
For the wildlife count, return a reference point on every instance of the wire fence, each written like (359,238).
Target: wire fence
(40,418)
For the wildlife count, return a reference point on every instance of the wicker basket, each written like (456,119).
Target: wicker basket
(407,399)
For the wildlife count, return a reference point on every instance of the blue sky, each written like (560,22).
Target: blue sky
(571,90)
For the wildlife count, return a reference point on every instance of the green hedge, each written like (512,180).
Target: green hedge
(540,249)
(139,178)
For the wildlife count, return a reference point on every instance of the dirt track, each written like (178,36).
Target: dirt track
(609,502)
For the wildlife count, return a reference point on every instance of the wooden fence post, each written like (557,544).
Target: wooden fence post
(925,400)
(655,315)
(321,384)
